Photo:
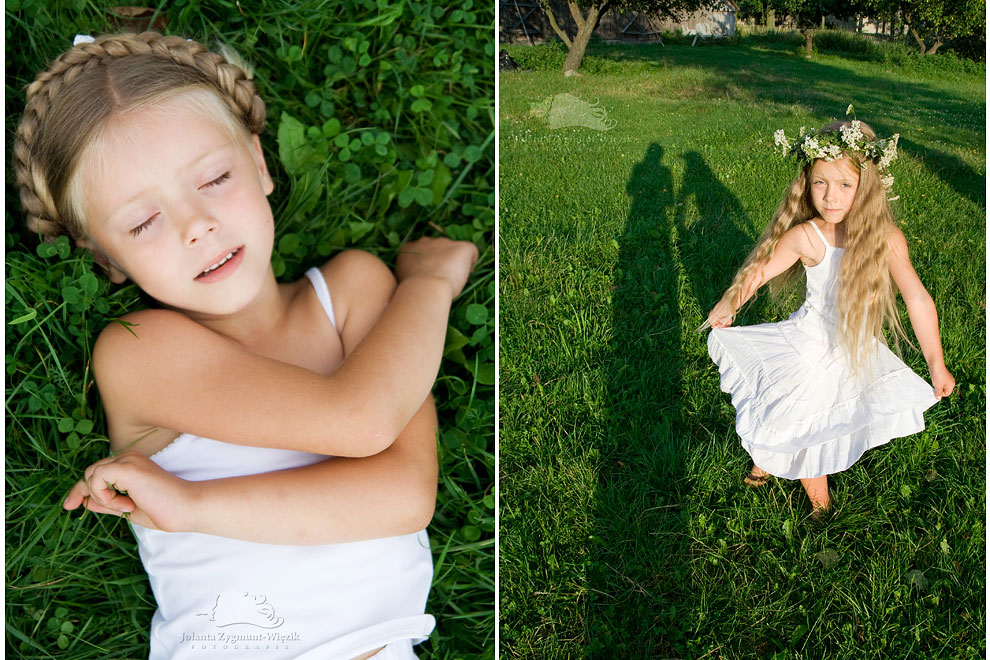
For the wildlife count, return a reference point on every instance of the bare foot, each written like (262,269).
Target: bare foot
(817,490)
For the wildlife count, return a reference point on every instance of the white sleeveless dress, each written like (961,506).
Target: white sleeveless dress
(225,598)
(800,411)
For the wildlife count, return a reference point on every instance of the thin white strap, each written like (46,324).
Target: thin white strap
(819,232)
(322,293)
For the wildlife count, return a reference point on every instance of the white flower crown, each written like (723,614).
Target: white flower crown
(829,146)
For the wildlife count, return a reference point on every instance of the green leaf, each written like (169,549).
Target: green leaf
(452,160)
(63,247)
(472,153)
(455,340)
(331,127)
(484,373)
(441,179)
(421,105)
(65,425)
(71,294)
(46,250)
(84,426)
(470,533)
(288,244)
(424,196)
(476,314)
(31,313)
(417,90)
(89,284)
(294,150)
(359,229)
(351,172)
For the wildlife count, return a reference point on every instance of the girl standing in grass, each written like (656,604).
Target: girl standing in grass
(223,404)
(814,392)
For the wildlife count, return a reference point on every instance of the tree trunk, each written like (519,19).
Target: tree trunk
(586,26)
(771,18)
(809,37)
(932,50)
(917,37)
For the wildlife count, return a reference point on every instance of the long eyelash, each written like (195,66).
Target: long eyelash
(217,181)
(144,225)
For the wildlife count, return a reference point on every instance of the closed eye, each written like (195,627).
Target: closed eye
(217,181)
(144,225)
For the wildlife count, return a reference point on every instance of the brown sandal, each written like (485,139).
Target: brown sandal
(754,480)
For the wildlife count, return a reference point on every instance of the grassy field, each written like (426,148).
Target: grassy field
(625,529)
(380,128)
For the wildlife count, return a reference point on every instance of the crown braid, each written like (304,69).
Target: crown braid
(45,159)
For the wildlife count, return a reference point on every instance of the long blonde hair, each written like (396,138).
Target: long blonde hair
(71,102)
(866,299)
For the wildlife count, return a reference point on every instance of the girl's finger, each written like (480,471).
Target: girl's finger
(76,496)
(96,507)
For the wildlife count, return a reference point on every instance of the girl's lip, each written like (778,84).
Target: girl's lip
(233,259)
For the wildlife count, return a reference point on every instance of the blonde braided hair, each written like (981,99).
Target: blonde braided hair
(71,101)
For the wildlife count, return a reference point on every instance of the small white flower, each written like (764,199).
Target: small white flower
(889,152)
(781,141)
(810,148)
(888,182)
(833,152)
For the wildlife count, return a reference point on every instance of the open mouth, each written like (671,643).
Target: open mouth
(219,265)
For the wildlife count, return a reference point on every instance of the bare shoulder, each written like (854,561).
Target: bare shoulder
(896,242)
(798,239)
(361,286)
(128,354)
(136,333)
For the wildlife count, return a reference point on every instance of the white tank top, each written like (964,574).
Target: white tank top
(225,598)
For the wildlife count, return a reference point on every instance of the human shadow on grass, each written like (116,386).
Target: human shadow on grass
(639,575)
(713,243)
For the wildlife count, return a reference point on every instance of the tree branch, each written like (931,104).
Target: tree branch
(553,22)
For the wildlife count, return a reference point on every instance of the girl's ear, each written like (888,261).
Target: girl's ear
(259,160)
(113,273)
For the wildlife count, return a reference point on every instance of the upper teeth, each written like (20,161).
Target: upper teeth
(219,263)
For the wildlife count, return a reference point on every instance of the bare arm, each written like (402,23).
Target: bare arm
(168,371)
(921,311)
(335,501)
(338,500)
(793,245)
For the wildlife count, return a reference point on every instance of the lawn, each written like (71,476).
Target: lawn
(380,128)
(625,529)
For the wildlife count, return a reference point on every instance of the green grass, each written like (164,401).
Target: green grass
(625,530)
(424,94)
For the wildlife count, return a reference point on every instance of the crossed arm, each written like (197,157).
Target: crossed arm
(390,491)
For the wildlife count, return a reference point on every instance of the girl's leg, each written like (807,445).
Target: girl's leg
(817,490)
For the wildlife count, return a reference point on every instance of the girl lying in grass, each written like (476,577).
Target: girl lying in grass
(224,404)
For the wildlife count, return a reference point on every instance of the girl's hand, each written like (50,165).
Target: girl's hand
(721,315)
(942,381)
(131,483)
(442,258)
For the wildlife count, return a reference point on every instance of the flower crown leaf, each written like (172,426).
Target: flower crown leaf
(811,146)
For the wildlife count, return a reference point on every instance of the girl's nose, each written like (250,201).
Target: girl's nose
(197,227)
